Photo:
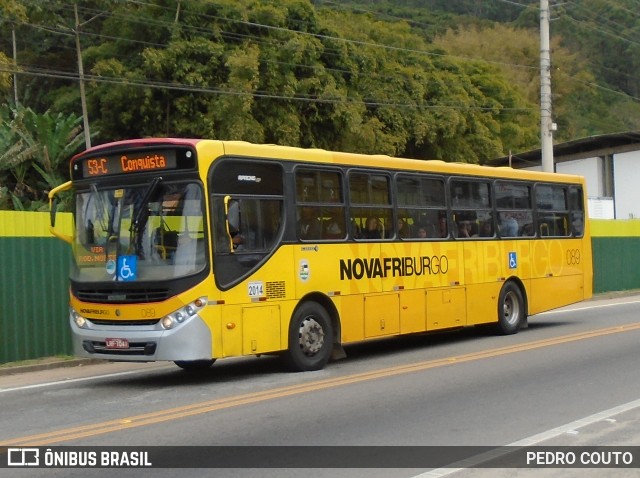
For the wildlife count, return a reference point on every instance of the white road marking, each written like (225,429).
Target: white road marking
(533,440)
(589,307)
(70,380)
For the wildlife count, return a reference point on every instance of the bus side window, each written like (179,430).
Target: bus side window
(319,205)
(421,203)
(371,207)
(515,212)
(576,205)
(553,210)
(471,200)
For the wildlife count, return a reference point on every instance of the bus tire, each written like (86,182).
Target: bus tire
(195,365)
(511,309)
(310,338)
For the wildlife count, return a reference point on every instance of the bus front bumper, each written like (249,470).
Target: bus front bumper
(143,343)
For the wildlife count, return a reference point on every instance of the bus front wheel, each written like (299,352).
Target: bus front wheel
(195,365)
(310,338)
(511,309)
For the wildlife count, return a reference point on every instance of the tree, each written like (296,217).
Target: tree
(513,54)
(11,12)
(331,77)
(35,150)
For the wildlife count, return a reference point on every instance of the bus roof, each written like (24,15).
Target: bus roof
(243,148)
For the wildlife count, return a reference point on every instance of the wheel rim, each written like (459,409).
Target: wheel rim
(511,308)
(311,336)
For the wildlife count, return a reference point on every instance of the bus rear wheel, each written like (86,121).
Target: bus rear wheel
(195,365)
(511,309)
(310,338)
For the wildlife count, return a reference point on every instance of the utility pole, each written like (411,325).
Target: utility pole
(546,122)
(83,98)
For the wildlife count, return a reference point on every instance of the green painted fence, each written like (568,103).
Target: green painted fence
(34,288)
(616,255)
(35,269)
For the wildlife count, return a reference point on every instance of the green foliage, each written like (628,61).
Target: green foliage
(420,78)
(280,72)
(34,153)
(579,109)
(606,33)
(10,13)
(6,64)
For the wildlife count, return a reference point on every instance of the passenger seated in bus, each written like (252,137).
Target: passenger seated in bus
(508,225)
(527,230)
(443,230)
(334,226)
(309,227)
(372,229)
(464,229)
(422,232)
(404,230)
(485,229)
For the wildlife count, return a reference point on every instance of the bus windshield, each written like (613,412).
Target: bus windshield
(149,232)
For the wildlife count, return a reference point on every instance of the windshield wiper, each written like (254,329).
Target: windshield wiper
(145,200)
(141,215)
(97,197)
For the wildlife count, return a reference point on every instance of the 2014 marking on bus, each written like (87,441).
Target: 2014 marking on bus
(256,289)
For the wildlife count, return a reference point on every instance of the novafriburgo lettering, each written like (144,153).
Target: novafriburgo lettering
(393,267)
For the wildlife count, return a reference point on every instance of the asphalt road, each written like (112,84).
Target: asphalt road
(570,379)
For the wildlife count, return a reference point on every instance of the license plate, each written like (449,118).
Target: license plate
(116,343)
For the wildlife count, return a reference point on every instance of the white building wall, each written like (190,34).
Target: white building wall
(626,173)
(591,169)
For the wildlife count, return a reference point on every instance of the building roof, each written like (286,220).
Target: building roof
(600,145)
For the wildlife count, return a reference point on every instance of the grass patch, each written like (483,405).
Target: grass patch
(43,360)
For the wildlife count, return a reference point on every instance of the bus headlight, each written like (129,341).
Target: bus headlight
(80,321)
(167,322)
(184,313)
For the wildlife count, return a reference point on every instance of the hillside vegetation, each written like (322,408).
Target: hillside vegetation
(457,81)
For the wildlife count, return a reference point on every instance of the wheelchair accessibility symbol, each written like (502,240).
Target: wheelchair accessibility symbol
(513,260)
(127,268)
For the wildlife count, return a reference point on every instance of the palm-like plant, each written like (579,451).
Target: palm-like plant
(43,143)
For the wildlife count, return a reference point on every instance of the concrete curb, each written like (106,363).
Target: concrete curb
(47,365)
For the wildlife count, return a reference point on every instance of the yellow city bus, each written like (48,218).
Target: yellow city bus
(194,250)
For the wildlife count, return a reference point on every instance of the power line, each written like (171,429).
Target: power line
(146,21)
(258,94)
(601,87)
(593,27)
(238,36)
(510,2)
(264,61)
(171,25)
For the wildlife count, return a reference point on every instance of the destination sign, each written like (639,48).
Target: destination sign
(127,163)
(133,162)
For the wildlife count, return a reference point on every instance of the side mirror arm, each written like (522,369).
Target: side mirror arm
(53,206)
